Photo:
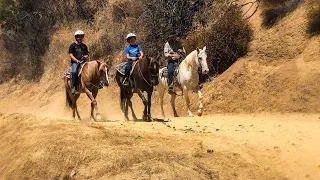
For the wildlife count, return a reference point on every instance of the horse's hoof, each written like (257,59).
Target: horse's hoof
(126,118)
(150,119)
(144,118)
(92,119)
(190,115)
(199,113)
(98,118)
(176,115)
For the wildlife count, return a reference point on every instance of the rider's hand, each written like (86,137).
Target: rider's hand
(176,56)
(134,58)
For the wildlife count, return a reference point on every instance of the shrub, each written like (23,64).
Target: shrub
(227,40)
(28,29)
(275,10)
(314,17)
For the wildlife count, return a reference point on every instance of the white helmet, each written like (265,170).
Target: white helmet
(79,33)
(131,35)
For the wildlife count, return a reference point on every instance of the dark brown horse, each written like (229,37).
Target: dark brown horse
(92,74)
(145,77)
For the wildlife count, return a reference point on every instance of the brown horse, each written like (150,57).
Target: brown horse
(92,74)
(145,77)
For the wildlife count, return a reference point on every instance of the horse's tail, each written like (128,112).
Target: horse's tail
(68,100)
(122,100)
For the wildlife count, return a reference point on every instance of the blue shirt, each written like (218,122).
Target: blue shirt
(133,50)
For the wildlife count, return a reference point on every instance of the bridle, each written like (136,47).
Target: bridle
(152,75)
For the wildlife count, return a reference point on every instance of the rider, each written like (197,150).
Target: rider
(174,53)
(133,52)
(78,53)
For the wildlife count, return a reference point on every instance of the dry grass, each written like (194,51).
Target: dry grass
(53,149)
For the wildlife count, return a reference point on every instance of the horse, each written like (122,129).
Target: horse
(92,74)
(188,79)
(145,77)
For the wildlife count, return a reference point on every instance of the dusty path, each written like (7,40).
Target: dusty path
(39,140)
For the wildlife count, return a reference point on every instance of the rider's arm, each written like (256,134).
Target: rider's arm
(86,53)
(141,55)
(167,49)
(71,51)
(73,58)
(141,52)
(126,52)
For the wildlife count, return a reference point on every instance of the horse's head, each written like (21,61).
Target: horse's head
(202,59)
(103,71)
(154,70)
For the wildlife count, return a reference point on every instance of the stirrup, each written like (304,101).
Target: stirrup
(74,91)
(171,90)
(125,82)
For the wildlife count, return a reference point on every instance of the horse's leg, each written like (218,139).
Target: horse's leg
(161,93)
(186,96)
(132,111)
(173,104)
(145,103)
(74,109)
(149,107)
(201,102)
(126,117)
(95,103)
(79,118)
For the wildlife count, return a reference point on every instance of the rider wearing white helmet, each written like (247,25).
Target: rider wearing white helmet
(78,53)
(133,52)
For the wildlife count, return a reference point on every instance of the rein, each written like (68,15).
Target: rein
(140,72)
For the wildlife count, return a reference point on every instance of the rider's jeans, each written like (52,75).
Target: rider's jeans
(128,68)
(74,67)
(170,72)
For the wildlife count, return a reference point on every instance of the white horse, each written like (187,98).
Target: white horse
(188,79)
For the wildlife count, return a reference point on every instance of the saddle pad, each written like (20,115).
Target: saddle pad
(121,67)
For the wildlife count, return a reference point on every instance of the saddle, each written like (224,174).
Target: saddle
(68,72)
(121,67)
(175,74)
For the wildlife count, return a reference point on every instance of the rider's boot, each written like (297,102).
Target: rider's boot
(73,85)
(171,90)
(123,82)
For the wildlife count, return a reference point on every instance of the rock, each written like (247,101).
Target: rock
(210,150)
(73,173)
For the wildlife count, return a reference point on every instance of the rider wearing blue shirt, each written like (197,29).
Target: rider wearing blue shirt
(133,52)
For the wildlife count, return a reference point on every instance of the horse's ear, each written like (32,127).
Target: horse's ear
(204,49)
(99,65)
(198,51)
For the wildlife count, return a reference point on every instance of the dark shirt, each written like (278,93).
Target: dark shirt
(78,51)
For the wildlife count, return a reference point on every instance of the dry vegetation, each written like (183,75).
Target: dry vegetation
(56,149)
(275,10)
(314,17)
